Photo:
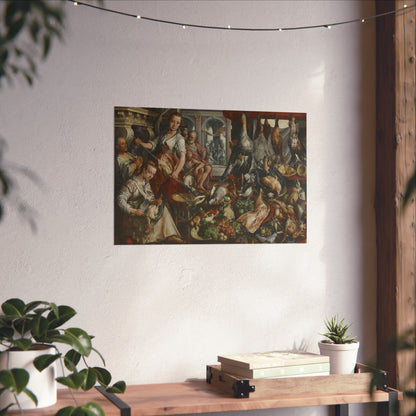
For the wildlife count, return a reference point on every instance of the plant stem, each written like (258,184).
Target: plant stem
(18,403)
(63,373)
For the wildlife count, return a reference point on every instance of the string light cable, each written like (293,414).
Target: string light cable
(184,25)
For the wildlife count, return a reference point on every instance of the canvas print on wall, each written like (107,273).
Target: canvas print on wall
(199,176)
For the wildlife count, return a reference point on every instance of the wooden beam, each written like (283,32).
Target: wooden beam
(395,163)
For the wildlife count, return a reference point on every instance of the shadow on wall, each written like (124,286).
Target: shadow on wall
(355,271)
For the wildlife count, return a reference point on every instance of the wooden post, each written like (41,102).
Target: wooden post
(395,163)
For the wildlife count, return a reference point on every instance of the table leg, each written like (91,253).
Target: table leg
(390,408)
(341,410)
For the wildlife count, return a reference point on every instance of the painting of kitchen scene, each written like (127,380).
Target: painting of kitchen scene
(213,177)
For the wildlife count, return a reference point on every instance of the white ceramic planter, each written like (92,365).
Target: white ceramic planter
(42,384)
(342,357)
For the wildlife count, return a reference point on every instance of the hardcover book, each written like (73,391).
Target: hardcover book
(282,371)
(272,359)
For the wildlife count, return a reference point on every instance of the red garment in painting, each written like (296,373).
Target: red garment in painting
(200,153)
(162,183)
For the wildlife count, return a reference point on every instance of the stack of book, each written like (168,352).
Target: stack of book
(275,364)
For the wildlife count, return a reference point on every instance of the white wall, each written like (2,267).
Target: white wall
(161,313)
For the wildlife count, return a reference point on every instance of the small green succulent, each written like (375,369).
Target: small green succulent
(337,331)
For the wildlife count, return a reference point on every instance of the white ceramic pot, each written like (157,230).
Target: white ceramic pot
(342,357)
(42,384)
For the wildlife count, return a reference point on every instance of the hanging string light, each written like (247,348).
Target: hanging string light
(246,29)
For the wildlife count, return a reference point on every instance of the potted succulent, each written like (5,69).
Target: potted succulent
(34,331)
(341,347)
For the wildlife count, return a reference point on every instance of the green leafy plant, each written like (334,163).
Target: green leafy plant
(337,331)
(24,326)
(404,343)
(28,30)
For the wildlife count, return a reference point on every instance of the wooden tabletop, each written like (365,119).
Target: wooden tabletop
(65,399)
(199,397)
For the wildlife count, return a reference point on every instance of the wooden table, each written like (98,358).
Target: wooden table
(197,396)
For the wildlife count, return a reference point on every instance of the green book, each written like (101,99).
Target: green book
(274,372)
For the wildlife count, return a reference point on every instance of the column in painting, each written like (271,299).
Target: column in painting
(198,127)
(228,138)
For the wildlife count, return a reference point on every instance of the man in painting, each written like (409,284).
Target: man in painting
(185,133)
(203,176)
(145,219)
(140,145)
(127,163)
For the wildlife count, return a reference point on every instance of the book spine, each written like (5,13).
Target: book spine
(293,370)
(235,363)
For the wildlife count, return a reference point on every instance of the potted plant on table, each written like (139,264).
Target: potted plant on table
(341,347)
(34,331)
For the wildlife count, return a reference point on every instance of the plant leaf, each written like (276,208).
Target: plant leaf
(410,188)
(65,411)
(31,396)
(93,409)
(71,360)
(22,325)
(5,182)
(119,387)
(46,45)
(73,381)
(54,309)
(59,315)
(33,305)
(14,380)
(88,409)
(13,307)
(15,28)
(44,361)
(6,332)
(77,338)
(34,30)
(4,411)
(22,343)
(98,353)
(103,376)
(39,327)
(90,379)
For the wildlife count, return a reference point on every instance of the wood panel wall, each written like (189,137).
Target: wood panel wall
(395,163)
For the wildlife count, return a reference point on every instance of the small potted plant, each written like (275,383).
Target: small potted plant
(340,346)
(31,336)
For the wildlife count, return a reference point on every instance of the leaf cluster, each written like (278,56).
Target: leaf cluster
(25,326)
(337,331)
(406,342)
(401,343)
(410,189)
(28,28)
